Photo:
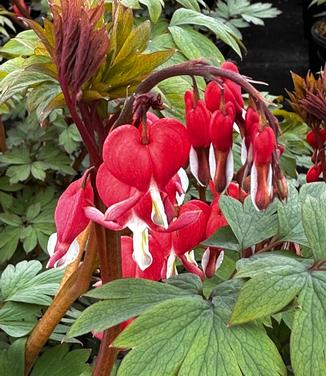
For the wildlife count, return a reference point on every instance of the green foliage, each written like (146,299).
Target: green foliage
(275,281)
(59,361)
(41,157)
(5,23)
(249,225)
(23,292)
(189,333)
(239,14)
(12,359)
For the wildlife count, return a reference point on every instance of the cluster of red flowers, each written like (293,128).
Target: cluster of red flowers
(317,140)
(142,182)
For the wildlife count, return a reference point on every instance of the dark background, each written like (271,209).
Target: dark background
(279,47)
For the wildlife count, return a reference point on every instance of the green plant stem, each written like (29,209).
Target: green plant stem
(75,286)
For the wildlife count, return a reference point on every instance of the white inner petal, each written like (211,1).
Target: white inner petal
(184,184)
(205,259)
(212,161)
(229,168)
(51,243)
(253,185)
(158,215)
(171,268)
(141,253)
(194,164)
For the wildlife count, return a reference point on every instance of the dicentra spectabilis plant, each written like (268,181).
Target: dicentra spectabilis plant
(163,201)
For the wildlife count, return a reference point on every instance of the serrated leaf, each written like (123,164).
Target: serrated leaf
(249,225)
(22,283)
(314,223)
(18,173)
(126,298)
(37,170)
(308,336)
(290,219)
(58,361)
(189,336)
(270,288)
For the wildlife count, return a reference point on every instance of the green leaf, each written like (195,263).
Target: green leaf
(10,219)
(58,361)
(9,239)
(314,223)
(70,138)
(272,286)
(37,170)
(23,44)
(22,283)
(190,17)
(188,282)
(126,298)
(290,219)
(308,337)
(30,241)
(191,337)
(12,360)
(195,45)
(18,319)
(223,238)
(312,189)
(33,211)
(249,225)
(18,173)
(190,4)
(154,8)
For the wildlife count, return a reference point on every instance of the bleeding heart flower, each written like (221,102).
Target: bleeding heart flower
(147,165)
(236,192)
(197,122)
(261,188)
(128,207)
(180,243)
(130,268)
(221,157)
(67,258)
(213,256)
(231,92)
(312,137)
(69,215)
(250,130)
(314,173)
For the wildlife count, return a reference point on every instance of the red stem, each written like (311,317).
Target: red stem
(194,68)
(88,140)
